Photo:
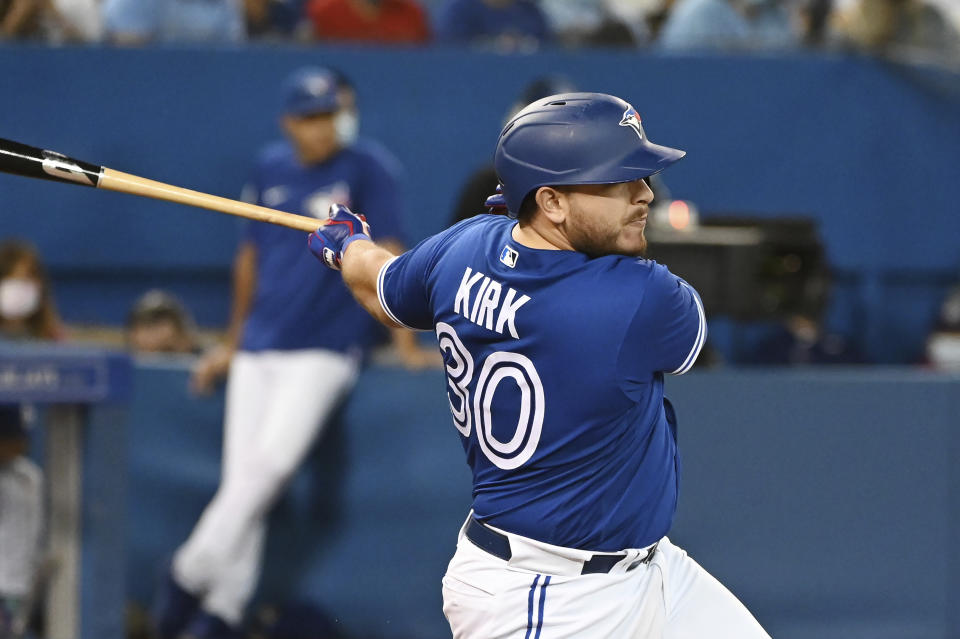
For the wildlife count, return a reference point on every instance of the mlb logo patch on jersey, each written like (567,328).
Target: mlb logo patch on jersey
(509,256)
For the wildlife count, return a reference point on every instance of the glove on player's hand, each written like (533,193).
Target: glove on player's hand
(330,240)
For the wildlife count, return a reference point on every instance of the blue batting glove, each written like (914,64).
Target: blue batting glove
(330,240)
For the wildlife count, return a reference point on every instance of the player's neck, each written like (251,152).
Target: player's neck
(532,236)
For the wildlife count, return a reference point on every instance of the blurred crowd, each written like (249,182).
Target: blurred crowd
(882,27)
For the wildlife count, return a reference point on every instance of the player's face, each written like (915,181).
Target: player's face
(313,136)
(608,219)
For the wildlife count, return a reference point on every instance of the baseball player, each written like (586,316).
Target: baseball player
(556,336)
(291,333)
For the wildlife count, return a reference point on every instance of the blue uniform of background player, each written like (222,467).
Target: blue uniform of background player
(292,299)
(556,337)
(293,348)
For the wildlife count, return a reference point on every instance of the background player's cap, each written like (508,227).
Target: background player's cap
(575,138)
(311,90)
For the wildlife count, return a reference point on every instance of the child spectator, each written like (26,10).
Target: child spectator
(159,323)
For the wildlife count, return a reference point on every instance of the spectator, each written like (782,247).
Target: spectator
(895,26)
(504,24)
(20,19)
(27,310)
(74,21)
(593,23)
(272,19)
(139,22)
(943,343)
(21,523)
(728,24)
(655,14)
(293,349)
(814,19)
(159,323)
(382,21)
(801,337)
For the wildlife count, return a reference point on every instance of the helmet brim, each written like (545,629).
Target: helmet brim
(646,160)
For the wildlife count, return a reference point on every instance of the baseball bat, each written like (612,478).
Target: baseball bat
(20,159)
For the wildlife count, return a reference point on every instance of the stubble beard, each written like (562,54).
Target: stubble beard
(609,243)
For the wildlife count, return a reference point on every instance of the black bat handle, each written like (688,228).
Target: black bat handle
(29,161)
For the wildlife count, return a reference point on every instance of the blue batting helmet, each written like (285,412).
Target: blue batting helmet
(575,138)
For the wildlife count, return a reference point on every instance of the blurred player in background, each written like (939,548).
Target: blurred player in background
(293,348)
(556,336)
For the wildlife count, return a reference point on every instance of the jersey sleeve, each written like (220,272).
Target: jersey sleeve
(379,196)
(668,329)
(403,283)
(403,288)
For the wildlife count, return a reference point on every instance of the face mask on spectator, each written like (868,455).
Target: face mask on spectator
(347,125)
(19,298)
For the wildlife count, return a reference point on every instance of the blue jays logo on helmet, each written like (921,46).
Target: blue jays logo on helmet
(632,119)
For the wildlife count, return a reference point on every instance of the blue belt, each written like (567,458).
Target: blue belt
(498,545)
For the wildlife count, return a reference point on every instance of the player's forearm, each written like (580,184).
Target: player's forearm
(361,266)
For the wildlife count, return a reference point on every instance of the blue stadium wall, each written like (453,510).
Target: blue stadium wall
(827,500)
(870,149)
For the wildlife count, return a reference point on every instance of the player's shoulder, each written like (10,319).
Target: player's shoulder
(655,278)
(481,222)
(479,230)
(627,266)
(464,235)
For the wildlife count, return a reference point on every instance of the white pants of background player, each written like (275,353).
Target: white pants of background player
(277,403)
(21,525)
(540,593)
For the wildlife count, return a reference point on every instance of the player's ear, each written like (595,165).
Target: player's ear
(552,203)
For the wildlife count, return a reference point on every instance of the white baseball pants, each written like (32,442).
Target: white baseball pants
(277,403)
(671,597)
(21,525)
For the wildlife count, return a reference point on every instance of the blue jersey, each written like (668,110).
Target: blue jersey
(298,303)
(555,365)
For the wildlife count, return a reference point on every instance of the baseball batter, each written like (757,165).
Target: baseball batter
(292,332)
(556,336)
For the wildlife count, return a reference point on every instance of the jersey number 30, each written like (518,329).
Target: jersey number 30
(469,410)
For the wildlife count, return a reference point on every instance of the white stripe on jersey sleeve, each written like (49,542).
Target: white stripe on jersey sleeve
(383,302)
(701,335)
